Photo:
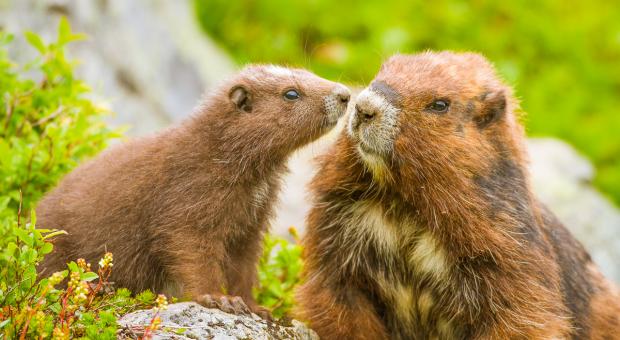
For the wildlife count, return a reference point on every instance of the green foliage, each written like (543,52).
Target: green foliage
(23,246)
(562,56)
(33,307)
(278,274)
(47,124)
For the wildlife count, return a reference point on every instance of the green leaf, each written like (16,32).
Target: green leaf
(5,322)
(24,236)
(54,233)
(4,202)
(46,248)
(36,41)
(73,267)
(64,31)
(33,218)
(146,297)
(88,276)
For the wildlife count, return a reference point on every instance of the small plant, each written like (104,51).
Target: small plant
(279,273)
(47,125)
(35,307)
(161,304)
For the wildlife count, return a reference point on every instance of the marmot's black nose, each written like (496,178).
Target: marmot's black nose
(363,114)
(342,94)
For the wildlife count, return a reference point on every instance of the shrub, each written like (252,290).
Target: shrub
(47,125)
(278,275)
(34,307)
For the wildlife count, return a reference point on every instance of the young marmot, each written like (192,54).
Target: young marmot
(424,226)
(184,211)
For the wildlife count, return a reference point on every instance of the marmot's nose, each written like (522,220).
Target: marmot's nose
(364,115)
(342,94)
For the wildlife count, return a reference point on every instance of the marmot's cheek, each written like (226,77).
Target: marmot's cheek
(283,121)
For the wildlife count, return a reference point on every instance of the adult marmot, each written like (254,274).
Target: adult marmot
(424,226)
(184,211)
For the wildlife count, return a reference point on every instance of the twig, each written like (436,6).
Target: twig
(56,113)
(19,209)
(9,112)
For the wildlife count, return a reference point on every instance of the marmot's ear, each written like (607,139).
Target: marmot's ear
(241,98)
(493,108)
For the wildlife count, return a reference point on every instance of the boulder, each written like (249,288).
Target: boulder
(189,320)
(562,179)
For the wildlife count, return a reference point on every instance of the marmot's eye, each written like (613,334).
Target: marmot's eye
(291,95)
(439,106)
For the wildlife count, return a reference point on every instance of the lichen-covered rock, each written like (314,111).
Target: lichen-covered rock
(189,320)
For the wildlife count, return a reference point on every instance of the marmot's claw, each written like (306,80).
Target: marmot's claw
(225,303)
(264,313)
(239,305)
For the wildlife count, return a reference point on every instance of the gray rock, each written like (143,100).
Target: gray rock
(189,320)
(562,179)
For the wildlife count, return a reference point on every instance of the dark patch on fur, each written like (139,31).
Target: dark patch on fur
(573,260)
(506,191)
(459,129)
(387,92)
(470,108)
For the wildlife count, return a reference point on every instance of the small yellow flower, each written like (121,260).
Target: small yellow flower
(162,302)
(106,261)
(155,323)
(60,334)
(74,280)
(82,264)
(55,278)
(80,295)
(39,317)
(294,234)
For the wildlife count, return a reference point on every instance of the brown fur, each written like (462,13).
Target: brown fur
(184,211)
(424,226)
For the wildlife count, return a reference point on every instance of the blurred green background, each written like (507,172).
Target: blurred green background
(563,57)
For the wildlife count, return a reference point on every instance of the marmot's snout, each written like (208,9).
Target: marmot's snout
(373,122)
(336,102)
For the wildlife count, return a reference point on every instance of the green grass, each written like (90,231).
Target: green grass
(561,56)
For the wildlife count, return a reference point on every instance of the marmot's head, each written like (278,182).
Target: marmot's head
(276,110)
(435,115)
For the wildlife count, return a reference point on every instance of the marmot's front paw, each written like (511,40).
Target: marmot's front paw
(226,303)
